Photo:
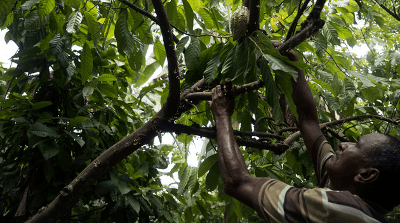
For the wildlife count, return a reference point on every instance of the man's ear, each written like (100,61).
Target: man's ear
(367,175)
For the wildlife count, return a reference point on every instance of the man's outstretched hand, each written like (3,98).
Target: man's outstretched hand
(222,103)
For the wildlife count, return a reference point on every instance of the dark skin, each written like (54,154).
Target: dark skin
(347,170)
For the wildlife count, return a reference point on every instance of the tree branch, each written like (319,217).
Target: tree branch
(308,28)
(290,139)
(147,14)
(292,27)
(198,96)
(277,148)
(254,23)
(388,10)
(71,193)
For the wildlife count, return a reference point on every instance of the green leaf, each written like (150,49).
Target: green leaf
(188,215)
(332,103)
(45,7)
(212,178)
(87,91)
(207,164)
(184,179)
(205,15)
(41,104)
(133,202)
(196,4)
(323,84)
(192,54)
(74,22)
(107,90)
(277,64)
(343,32)
(172,12)
(26,6)
(91,9)
(34,22)
(212,65)
(241,60)
(228,67)
(77,120)
(159,52)
(331,33)
(73,3)
(86,64)
(48,150)
(189,14)
(371,93)
(321,44)
(367,83)
(106,77)
(353,6)
(126,40)
(43,131)
(93,25)
(271,91)
(77,139)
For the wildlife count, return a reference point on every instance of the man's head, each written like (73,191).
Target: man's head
(369,168)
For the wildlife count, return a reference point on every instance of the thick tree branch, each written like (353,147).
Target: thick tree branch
(254,23)
(309,27)
(277,148)
(71,193)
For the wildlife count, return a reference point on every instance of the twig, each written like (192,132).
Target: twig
(237,90)
(277,148)
(292,27)
(290,139)
(388,10)
(147,14)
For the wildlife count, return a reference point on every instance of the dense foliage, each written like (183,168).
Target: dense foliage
(78,88)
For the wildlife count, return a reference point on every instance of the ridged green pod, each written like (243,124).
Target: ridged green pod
(239,21)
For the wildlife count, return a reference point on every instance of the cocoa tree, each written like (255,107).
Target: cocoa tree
(82,108)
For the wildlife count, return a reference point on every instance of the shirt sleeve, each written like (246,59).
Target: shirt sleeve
(278,202)
(325,152)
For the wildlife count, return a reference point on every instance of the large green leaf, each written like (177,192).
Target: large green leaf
(189,15)
(271,91)
(74,22)
(73,3)
(205,15)
(86,64)
(45,7)
(192,54)
(279,65)
(212,178)
(41,130)
(159,52)
(212,65)
(127,41)
(207,164)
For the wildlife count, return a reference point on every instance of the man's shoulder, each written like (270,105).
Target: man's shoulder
(277,200)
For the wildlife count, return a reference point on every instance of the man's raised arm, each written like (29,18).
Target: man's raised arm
(306,109)
(238,183)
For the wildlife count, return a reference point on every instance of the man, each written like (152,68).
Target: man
(355,183)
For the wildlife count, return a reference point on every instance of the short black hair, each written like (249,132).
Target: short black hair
(386,159)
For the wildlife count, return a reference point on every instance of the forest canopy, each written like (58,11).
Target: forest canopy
(95,82)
